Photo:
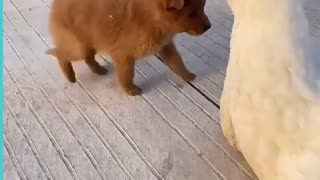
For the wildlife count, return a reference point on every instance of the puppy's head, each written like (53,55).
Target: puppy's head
(185,16)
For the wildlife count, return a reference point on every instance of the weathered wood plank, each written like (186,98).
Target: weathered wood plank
(25,158)
(50,116)
(38,138)
(9,171)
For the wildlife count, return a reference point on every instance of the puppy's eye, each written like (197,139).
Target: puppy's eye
(171,9)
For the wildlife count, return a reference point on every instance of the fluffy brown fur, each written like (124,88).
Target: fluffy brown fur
(126,30)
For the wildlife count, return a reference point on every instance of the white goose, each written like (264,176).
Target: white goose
(270,107)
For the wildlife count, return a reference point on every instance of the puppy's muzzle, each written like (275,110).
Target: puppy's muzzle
(203,28)
(207,26)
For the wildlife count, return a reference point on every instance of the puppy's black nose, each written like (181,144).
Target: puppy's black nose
(207,26)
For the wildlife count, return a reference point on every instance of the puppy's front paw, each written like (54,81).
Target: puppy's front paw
(189,77)
(134,91)
(71,78)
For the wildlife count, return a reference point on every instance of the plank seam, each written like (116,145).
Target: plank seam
(47,131)
(187,96)
(234,161)
(213,100)
(41,122)
(60,114)
(33,148)
(201,130)
(211,55)
(102,139)
(134,146)
(188,141)
(14,158)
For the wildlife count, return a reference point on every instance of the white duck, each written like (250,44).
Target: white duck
(270,107)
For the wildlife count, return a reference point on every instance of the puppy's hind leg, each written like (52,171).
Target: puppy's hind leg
(68,71)
(94,66)
(65,65)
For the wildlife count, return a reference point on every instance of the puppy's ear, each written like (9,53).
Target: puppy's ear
(173,4)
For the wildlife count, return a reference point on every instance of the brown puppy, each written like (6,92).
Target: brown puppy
(126,30)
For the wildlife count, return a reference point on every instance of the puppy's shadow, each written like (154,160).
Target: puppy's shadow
(157,79)
(146,85)
(152,82)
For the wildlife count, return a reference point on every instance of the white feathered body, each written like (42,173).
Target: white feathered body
(270,107)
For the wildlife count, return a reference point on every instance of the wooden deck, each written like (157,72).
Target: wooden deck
(90,130)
